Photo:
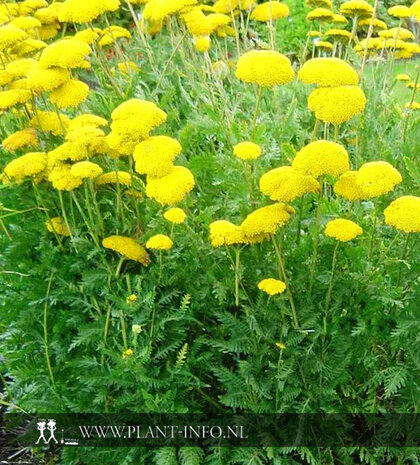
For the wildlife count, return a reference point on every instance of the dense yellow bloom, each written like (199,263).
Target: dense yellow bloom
(127,247)
(338,35)
(337,105)
(224,232)
(5,77)
(172,188)
(320,14)
(114,177)
(49,14)
(270,10)
(286,184)
(26,23)
(342,230)
(111,34)
(399,11)
(65,53)
(247,150)
(128,67)
(155,156)
(20,139)
(10,35)
(70,94)
(376,23)
(69,151)
(321,157)
(266,220)
(27,46)
(328,72)
(28,165)
(157,10)
(175,215)
(404,214)
(356,8)
(49,31)
(272,286)
(159,242)
(264,67)
(415,10)
(29,6)
(89,36)
(376,178)
(396,33)
(10,98)
(314,34)
(58,226)
(202,44)
(87,120)
(45,80)
(49,121)
(324,45)
(319,3)
(413,105)
(339,19)
(225,6)
(82,11)
(403,77)
(196,22)
(127,353)
(20,68)
(346,186)
(62,179)
(132,123)
(88,139)
(86,169)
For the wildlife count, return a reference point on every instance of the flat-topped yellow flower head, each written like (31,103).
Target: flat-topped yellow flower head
(159,242)
(272,286)
(127,247)
(343,230)
(322,157)
(328,72)
(266,68)
(404,214)
(377,178)
(224,232)
(270,11)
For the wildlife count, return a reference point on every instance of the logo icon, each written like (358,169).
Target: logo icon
(45,427)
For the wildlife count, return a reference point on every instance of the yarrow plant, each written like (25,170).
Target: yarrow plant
(209,206)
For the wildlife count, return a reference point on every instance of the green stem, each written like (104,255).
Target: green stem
(330,285)
(283,277)
(256,111)
(237,266)
(316,237)
(118,269)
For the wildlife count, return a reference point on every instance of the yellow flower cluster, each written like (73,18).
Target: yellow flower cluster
(328,72)
(128,247)
(404,214)
(20,139)
(266,68)
(322,157)
(114,177)
(247,150)
(175,215)
(28,165)
(86,170)
(82,11)
(264,221)
(356,8)
(342,230)
(66,53)
(157,10)
(376,178)
(224,232)
(346,186)
(160,242)
(132,123)
(336,105)
(272,286)
(270,10)
(155,156)
(70,94)
(171,188)
(286,184)
(58,226)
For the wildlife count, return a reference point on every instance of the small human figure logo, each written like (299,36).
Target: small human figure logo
(42,426)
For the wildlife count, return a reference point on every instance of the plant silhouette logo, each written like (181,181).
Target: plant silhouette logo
(46,428)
